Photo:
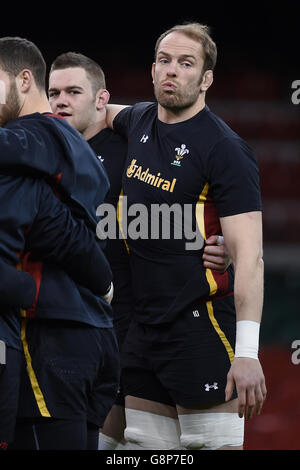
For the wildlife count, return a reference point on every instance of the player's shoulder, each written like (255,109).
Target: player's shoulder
(43,122)
(220,138)
(57,122)
(145,106)
(29,121)
(69,137)
(139,110)
(216,131)
(217,126)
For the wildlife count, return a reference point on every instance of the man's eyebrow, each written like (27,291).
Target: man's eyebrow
(68,88)
(182,56)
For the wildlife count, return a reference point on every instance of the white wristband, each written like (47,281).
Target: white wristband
(109,294)
(247,339)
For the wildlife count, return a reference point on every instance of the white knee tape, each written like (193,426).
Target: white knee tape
(211,431)
(109,443)
(106,442)
(146,430)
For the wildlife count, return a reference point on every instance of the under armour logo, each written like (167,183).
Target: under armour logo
(144,138)
(208,387)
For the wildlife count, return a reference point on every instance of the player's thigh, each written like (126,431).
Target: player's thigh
(73,369)
(211,426)
(151,425)
(200,351)
(103,390)
(150,406)
(115,424)
(61,434)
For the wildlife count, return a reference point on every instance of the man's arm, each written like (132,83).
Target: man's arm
(243,238)
(17,288)
(111,112)
(57,237)
(22,148)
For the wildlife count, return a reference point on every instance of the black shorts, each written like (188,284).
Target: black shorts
(55,434)
(9,394)
(73,370)
(121,326)
(186,362)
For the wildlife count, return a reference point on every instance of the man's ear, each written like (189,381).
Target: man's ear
(153,71)
(24,80)
(2,92)
(207,80)
(102,98)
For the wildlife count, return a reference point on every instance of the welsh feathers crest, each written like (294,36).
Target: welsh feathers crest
(180,152)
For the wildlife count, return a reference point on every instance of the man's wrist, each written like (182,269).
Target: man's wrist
(247,339)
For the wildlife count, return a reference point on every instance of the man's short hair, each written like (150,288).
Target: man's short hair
(200,33)
(73,59)
(17,54)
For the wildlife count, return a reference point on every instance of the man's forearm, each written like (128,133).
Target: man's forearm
(248,304)
(248,289)
(243,237)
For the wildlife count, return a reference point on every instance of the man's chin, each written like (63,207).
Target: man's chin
(69,120)
(6,115)
(168,100)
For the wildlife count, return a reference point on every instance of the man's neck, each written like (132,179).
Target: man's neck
(93,129)
(36,103)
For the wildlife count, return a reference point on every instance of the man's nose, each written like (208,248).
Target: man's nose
(172,69)
(62,100)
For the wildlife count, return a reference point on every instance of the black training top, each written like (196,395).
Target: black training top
(205,171)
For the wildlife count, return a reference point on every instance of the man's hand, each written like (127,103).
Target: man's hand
(215,254)
(247,375)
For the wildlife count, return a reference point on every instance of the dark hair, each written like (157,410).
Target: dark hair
(199,32)
(73,59)
(17,54)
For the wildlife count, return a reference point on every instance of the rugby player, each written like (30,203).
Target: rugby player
(71,374)
(191,351)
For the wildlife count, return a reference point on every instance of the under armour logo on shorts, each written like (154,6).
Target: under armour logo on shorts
(208,387)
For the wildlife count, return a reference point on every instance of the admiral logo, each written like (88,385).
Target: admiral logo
(159,221)
(137,171)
